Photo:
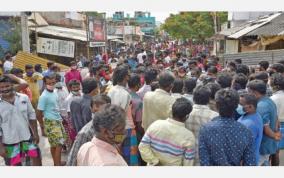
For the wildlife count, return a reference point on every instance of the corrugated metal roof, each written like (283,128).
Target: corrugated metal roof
(69,33)
(254,25)
(24,58)
(274,27)
(75,34)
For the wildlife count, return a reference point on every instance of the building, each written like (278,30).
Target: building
(255,40)
(144,20)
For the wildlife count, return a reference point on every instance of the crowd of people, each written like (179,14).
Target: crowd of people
(136,109)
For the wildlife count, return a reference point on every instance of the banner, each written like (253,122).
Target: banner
(97,30)
(56,47)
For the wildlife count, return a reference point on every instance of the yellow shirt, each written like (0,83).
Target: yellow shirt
(32,81)
(156,105)
(168,143)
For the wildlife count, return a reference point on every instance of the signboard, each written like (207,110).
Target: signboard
(97,44)
(56,47)
(97,30)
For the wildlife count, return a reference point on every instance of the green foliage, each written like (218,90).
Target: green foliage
(193,25)
(14,35)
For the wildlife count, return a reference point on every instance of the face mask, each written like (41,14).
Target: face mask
(76,93)
(50,87)
(119,138)
(29,74)
(240,110)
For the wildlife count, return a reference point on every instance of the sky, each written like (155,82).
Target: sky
(160,15)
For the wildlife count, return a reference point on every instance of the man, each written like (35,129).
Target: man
(85,70)
(87,132)
(18,126)
(150,76)
(263,65)
(20,74)
(109,126)
(8,64)
(49,110)
(214,87)
(49,70)
(200,115)
(137,105)
(224,141)
(157,101)
(168,142)
(32,80)
(140,56)
(120,96)
(264,77)
(277,84)
(239,83)
(189,85)
(80,108)
(177,89)
(224,79)
(252,120)
(38,73)
(268,111)
(73,73)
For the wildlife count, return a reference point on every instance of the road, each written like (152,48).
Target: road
(47,159)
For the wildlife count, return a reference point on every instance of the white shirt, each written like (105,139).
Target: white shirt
(140,58)
(14,119)
(8,65)
(167,59)
(278,98)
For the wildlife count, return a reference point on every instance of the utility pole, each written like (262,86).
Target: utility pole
(88,35)
(25,32)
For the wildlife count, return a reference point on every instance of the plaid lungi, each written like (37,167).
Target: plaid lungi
(130,148)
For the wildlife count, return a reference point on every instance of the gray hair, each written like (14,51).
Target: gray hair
(108,117)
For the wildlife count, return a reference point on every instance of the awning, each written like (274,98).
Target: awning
(63,32)
(118,41)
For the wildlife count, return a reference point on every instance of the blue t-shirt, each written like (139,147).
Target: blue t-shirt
(254,123)
(268,112)
(48,103)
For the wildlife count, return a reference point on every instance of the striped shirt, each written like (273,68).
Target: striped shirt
(168,143)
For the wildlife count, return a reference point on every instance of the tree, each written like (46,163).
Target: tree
(193,25)
(13,35)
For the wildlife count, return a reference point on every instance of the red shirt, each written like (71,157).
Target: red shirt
(72,74)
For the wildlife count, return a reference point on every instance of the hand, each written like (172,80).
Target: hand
(277,136)
(36,138)
(2,151)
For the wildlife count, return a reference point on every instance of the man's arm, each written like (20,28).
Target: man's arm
(2,149)
(21,83)
(33,121)
(146,151)
(189,154)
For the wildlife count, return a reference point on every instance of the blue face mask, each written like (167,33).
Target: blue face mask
(240,110)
